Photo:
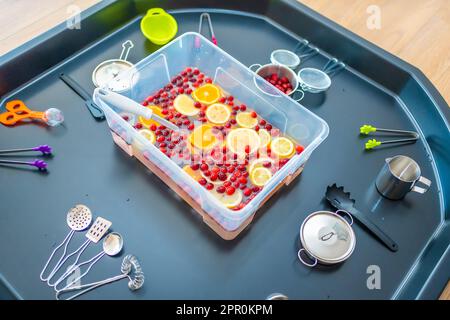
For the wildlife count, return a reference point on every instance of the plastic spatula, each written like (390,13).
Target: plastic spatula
(126,104)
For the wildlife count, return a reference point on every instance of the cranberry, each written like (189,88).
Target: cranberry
(222,176)
(197,104)
(214,176)
(299,149)
(256,189)
(267,164)
(209,186)
(208,80)
(230,191)
(191,127)
(196,71)
(243,107)
(145,103)
(180,90)
(160,139)
(207,173)
(243,180)
(202,181)
(226,184)
(195,166)
(188,90)
(256,128)
(222,99)
(253,114)
(233,178)
(247,149)
(124,117)
(188,70)
(268,127)
(247,192)
(138,125)
(204,167)
(242,167)
(220,189)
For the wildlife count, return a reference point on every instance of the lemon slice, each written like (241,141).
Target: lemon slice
(282,147)
(203,137)
(148,122)
(228,201)
(245,120)
(265,137)
(260,176)
(207,94)
(185,105)
(149,135)
(238,139)
(259,163)
(218,113)
(195,174)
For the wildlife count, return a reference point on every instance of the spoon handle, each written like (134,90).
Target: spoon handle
(374,229)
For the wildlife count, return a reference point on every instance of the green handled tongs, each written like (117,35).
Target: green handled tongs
(373,143)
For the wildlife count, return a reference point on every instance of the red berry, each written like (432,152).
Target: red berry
(204,167)
(196,71)
(125,117)
(191,127)
(256,189)
(220,189)
(208,80)
(299,149)
(138,125)
(209,186)
(247,192)
(195,166)
(227,184)
(202,181)
(257,128)
(160,139)
(268,127)
(243,107)
(230,190)
(253,114)
(145,103)
(243,180)
(230,98)
(222,176)
(262,122)
(197,104)
(247,149)
(222,100)
(214,176)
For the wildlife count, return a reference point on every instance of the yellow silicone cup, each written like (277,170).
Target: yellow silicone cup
(158,26)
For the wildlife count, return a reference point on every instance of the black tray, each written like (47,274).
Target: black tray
(181,257)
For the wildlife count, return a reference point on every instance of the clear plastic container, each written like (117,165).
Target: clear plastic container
(193,50)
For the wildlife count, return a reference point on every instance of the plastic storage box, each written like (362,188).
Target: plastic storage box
(193,50)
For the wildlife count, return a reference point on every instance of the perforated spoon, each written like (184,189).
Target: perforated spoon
(78,219)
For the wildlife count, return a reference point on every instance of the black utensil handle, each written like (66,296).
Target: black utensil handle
(375,230)
(75,86)
(95,110)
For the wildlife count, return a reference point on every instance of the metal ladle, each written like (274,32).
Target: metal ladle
(112,245)
(130,268)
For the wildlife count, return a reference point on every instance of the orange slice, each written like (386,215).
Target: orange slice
(185,105)
(218,113)
(148,122)
(238,139)
(203,137)
(245,120)
(207,94)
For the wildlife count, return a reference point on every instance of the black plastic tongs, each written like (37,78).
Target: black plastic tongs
(342,201)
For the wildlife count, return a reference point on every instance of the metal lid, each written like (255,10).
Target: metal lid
(327,236)
(106,71)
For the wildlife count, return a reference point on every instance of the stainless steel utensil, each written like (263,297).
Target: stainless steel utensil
(314,80)
(93,235)
(112,245)
(130,269)
(206,16)
(327,238)
(341,200)
(78,219)
(399,176)
(277,296)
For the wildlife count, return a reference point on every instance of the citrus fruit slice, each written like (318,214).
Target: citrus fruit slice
(228,201)
(203,137)
(185,105)
(282,147)
(239,139)
(245,120)
(195,174)
(148,122)
(260,176)
(259,163)
(218,113)
(207,94)
(265,137)
(149,135)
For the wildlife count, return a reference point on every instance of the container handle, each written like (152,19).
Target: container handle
(255,65)
(348,214)
(311,265)
(425,182)
(301,96)
(155,11)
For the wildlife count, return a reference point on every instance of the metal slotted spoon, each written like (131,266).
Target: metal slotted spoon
(130,268)
(78,219)
(98,229)
(112,246)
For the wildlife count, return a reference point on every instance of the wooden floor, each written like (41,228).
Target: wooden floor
(417,31)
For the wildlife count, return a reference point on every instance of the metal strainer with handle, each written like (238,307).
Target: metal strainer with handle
(79,218)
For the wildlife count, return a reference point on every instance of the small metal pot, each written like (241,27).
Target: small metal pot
(282,71)
(326,238)
(399,176)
